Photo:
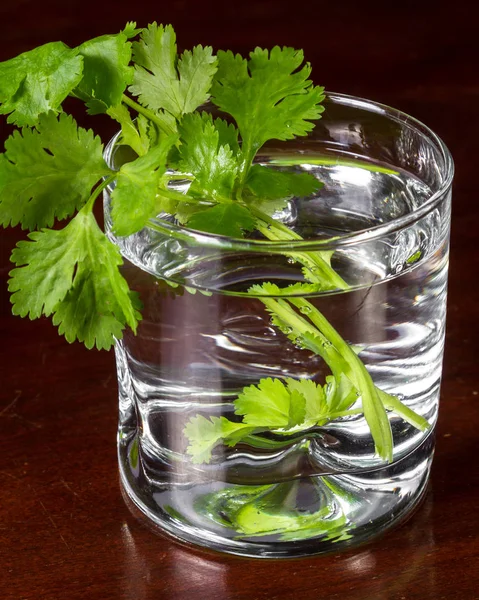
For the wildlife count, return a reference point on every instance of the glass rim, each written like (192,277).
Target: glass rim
(212,240)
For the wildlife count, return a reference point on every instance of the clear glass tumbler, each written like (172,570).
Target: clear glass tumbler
(264,412)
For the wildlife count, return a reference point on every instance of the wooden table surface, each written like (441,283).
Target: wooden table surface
(65,532)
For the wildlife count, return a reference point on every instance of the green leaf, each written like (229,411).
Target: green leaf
(228,135)
(297,409)
(268,96)
(221,506)
(106,70)
(204,434)
(185,210)
(223,219)
(138,139)
(38,81)
(315,406)
(134,199)
(212,164)
(130,30)
(270,184)
(270,404)
(48,173)
(165,204)
(162,81)
(73,273)
(161,120)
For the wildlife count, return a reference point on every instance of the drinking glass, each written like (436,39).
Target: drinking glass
(215,446)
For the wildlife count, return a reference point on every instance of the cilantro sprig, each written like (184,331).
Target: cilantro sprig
(283,408)
(38,81)
(291,406)
(53,170)
(269,96)
(56,160)
(166,83)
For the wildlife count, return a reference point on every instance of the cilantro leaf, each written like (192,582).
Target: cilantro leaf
(315,407)
(130,30)
(272,184)
(204,434)
(267,96)
(132,136)
(272,189)
(271,404)
(297,409)
(184,212)
(73,274)
(38,81)
(134,199)
(106,70)
(223,219)
(162,81)
(48,173)
(213,165)
(228,135)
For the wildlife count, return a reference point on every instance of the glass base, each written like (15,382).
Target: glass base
(301,517)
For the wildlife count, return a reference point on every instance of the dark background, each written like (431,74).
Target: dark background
(65,532)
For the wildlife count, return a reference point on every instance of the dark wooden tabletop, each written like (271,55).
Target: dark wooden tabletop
(65,532)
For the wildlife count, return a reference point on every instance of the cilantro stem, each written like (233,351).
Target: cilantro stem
(344,413)
(265,443)
(374,410)
(97,191)
(317,339)
(320,269)
(249,152)
(149,114)
(308,335)
(290,317)
(395,405)
(181,197)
